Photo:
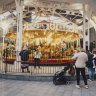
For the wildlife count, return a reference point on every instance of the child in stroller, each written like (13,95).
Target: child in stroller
(59,78)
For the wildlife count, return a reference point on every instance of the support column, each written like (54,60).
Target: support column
(73,43)
(77,43)
(3,40)
(19,8)
(86,37)
(3,34)
(84,27)
(89,15)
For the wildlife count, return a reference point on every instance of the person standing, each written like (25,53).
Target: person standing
(6,54)
(24,58)
(37,55)
(81,58)
(90,66)
(6,51)
(94,63)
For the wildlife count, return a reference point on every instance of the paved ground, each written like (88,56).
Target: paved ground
(32,88)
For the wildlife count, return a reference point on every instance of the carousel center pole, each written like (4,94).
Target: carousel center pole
(19,8)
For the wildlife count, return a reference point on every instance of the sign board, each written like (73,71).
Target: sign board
(48,26)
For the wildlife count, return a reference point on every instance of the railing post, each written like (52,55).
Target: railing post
(6,54)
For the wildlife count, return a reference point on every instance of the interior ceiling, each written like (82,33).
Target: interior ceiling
(74,16)
(92,3)
(66,10)
(4,2)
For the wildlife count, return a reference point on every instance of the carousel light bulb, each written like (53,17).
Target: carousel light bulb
(37,41)
(27,43)
(26,34)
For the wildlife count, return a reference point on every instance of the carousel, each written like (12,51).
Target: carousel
(55,32)
(49,42)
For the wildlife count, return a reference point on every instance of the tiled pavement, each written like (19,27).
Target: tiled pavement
(32,88)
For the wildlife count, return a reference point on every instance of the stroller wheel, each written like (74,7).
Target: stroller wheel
(55,81)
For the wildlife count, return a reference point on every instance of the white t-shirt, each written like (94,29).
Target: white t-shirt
(64,45)
(37,55)
(81,59)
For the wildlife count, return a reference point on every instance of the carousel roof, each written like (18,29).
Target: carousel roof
(66,12)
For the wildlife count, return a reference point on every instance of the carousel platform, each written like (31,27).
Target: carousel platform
(45,61)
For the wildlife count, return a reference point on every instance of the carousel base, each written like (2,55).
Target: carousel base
(46,61)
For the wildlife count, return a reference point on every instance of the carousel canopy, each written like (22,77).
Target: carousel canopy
(65,12)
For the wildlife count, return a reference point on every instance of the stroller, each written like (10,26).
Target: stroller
(59,78)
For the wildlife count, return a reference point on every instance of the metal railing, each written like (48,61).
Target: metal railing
(47,66)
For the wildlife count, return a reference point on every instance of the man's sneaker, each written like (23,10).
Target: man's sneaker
(86,86)
(78,86)
(89,80)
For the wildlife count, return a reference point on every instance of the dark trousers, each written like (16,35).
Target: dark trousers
(82,70)
(36,62)
(25,65)
(62,51)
